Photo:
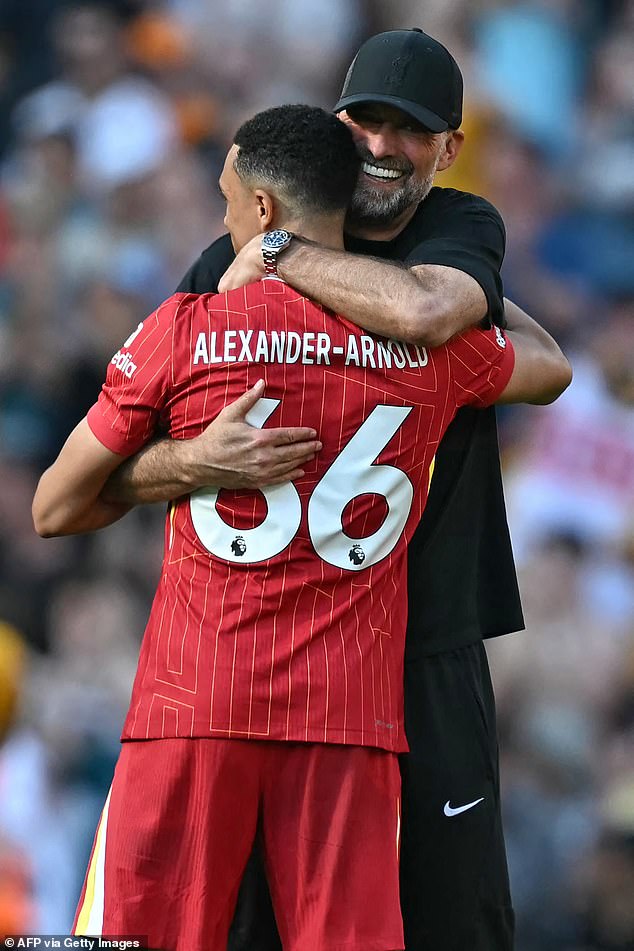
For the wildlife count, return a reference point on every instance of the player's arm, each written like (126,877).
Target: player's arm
(127,414)
(541,372)
(425,304)
(67,500)
(230,453)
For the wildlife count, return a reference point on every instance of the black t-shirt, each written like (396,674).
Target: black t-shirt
(462,581)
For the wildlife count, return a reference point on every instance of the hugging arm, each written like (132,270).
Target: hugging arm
(541,372)
(443,276)
(425,304)
(229,453)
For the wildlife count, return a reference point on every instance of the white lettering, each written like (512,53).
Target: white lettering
(215,357)
(352,352)
(423,358)
(245,339)
(309,348)
(293,337)
(123,362)
(262,348)
(383,353)
(277,346)
(201,354)
(397,350)
(410,359)
(367,351)
(230,345)
(133,335)
(323,348)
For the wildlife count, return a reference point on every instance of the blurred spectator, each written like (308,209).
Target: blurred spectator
(577,472)
(531,63)
(607,924)
(242,43)
(96,98)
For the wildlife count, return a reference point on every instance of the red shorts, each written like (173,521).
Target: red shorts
(179,824)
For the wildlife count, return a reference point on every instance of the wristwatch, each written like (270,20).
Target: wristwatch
(273,243)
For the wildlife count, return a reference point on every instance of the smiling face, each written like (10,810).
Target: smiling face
(400,159)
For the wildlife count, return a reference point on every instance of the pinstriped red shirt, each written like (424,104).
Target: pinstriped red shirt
(281,614)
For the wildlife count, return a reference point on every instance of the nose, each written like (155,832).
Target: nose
(382,141)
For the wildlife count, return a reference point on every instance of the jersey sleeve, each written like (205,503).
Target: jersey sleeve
(204,275)
(138,383)
(481,363)
(469,235)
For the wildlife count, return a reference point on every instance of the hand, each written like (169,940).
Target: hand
(235,455)
(247,267)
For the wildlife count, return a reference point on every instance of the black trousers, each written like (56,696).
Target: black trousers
(454,879)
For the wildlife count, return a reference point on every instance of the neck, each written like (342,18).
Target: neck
(326,230)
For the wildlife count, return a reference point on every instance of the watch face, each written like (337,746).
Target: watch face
(276,239)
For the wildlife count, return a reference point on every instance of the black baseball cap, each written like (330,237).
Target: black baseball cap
(410,70)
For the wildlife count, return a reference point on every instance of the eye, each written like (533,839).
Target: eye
(414,128)
(364,118)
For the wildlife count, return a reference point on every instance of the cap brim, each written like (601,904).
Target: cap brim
(427,118)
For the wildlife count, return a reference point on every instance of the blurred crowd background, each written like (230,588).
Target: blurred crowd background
(114,121)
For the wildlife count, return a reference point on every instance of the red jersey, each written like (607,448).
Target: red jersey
(281,614)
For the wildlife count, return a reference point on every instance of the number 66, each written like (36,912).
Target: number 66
(350,475)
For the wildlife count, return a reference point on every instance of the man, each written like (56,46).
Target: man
(318,699)
(462,584)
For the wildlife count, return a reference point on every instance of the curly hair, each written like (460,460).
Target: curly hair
(305,154)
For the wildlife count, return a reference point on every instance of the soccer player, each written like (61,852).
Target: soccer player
(270,682)
(421,263)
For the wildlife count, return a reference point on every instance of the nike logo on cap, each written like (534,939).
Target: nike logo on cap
(449,811)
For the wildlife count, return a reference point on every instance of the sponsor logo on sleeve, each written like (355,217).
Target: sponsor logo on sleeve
(133,335)
(499,336)
(122,360)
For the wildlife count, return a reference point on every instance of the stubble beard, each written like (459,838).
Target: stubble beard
(374,208)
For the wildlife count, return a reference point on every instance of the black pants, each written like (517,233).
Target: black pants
(454,880)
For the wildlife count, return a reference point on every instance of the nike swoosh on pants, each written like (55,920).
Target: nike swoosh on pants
(458,809)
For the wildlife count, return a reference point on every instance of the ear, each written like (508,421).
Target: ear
(265,209)
(451,150)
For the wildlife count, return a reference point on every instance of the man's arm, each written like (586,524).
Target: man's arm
(426,304)
(67,499)
(229,453)
(541,372)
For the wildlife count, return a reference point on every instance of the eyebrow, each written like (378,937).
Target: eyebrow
(373,112)
(220,191)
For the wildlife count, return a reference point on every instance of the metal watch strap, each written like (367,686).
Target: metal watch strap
(273,242)
(269,256)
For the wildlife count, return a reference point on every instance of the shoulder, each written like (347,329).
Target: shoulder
(218,249)
(236,301)
(211,264)
(268,297)
(179,311)
(267,289)
(458,205)
(452,199)
(175,307)
(205,273)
